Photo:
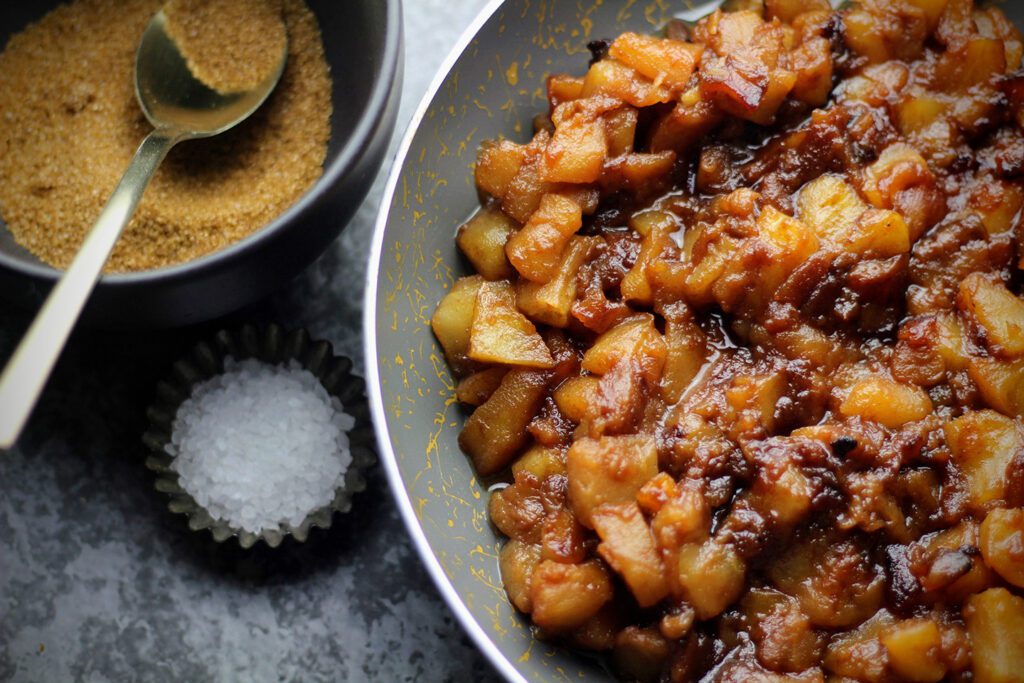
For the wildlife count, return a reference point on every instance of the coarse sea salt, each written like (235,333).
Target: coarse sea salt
(261,445)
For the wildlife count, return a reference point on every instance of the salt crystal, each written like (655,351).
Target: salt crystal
(261,445)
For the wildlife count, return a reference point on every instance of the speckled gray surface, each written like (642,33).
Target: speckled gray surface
(98,582)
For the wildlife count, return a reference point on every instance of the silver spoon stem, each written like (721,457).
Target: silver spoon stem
(28,369)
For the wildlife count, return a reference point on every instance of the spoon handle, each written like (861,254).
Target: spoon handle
(28,369)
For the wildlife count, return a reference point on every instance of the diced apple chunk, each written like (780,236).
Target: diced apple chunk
(479,386)
(686,352)
(835,582)
(620,130)
(627,546)
(659,59)
(536,250)
(1000,382)
(496,166)
(482,239)
(635,337)
(563,88)
(788,10)
(1002,543)
(577,150)
(914,647)
(658,225)
(889,403)
(517,562)
(576,397)
(830,206)
(551,303)
(613,78)
(790,241)
(983,443)
(608,470)
(501,334)
(999,313)
(564,596)
(453,320)
(496,431)
(710,576)
(541,462)
(995,622)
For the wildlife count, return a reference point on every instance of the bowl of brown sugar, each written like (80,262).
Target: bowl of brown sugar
(227,219)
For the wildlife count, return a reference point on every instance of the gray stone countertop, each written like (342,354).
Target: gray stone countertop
(98,582)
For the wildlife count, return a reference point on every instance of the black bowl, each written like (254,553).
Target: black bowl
(363,45)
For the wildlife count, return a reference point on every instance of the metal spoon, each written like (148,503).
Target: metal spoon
(180,108)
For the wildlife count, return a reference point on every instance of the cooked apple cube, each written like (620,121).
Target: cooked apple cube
(1000,382)
(501,334)
(620,130)
(997,311)
(482,239)
(453,319)
(983,444)
(563,88)
(830,206)
(684,518)
(898,167)
(577,396)
(536,250)
(812,63)
(577,150)
(517,562)
(551,303)
(635,337)
(955,568)
(613,78)
(790,243)
(662,60)
(563,538)
(527,187)
(541,462)
(496,431)
(745,88)
(639,172)
(657,227)
(686,352)
(640,654)
(497,164)
(918,112)
(710,576)
(878,233)
(628,548)
(914,647)
(995,622)
(1002,543)
(997,203)
(887,402)
(478,387)
(690,120)
(608,470)
(976,63)
(564,596)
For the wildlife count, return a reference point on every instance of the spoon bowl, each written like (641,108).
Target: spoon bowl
(180,108)
(171,97)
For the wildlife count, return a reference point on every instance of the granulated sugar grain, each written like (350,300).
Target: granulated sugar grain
(261,445)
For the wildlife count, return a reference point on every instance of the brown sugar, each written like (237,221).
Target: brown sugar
(229,45)
(69,125)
